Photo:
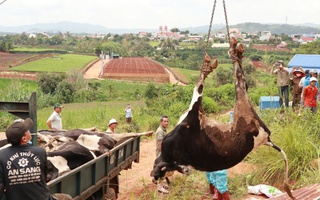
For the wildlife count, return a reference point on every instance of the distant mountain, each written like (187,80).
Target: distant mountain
(250,27)
(203,29)
(82,28)
(85,28)
(65,26)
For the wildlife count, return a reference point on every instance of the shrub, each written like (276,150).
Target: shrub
(48,82)
(209,105)
(64,92)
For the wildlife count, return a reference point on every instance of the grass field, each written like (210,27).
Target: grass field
(60,63)
(25,49)
(188,45)
(95,114)
(191,75)
(154,43)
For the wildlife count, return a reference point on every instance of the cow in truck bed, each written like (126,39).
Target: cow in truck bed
(209,145)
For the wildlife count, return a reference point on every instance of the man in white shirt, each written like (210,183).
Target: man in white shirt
(55,122)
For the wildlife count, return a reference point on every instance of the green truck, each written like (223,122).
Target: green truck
(96,179)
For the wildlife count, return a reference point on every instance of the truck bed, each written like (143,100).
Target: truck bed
(100,173)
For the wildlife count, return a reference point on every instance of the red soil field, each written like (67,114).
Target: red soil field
(269,48)
(9,59)
(18,75)
(131,68)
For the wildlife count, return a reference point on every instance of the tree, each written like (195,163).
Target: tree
(267,61)
(224,75)
(57,39)
(175,30)
(185,32)
(310,48)
(48,82)
(151,91)
(64,91)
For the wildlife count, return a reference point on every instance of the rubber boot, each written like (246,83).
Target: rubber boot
(216,194)
(224,196)
(211,188)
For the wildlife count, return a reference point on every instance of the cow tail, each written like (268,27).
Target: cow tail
(286,183)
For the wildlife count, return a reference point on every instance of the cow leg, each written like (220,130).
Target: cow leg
(243,107)
(168,181)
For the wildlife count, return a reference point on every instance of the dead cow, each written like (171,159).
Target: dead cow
(208,145)
(68,157)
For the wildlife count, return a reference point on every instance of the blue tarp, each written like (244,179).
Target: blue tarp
(306,61)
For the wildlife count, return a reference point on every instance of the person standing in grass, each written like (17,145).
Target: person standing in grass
(161,132)
(128,111)
(298,74)
(282,82)
(218,181)
(55,121)
(310,94)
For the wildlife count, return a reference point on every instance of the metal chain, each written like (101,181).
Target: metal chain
(210,25)
(227,25)
(204,64)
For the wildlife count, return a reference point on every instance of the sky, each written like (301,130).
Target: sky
(154,13)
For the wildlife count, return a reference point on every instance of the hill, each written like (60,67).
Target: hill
(85,28)
(251,27)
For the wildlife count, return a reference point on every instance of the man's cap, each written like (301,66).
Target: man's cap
(112,121)
(313,79)
(280,61)
(18,128)
(297,71)
(58,105)
(313,71)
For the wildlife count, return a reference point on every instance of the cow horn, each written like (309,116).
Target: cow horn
(163,168)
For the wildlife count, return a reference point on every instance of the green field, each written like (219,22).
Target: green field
(59,63)
(96,114)
(191,75)
(154,43)
(123,86)
(188,45)
(25,49)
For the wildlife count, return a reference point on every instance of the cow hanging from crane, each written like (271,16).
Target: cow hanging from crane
(209,145)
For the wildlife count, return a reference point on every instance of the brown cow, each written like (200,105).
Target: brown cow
(208,145)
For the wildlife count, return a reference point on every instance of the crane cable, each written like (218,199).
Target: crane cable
(226,18)
(210,26)
(3,2)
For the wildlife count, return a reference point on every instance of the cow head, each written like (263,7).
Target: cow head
(52,172)
(161,169)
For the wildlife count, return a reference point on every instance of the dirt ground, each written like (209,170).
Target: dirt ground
(94,71)
(137,180)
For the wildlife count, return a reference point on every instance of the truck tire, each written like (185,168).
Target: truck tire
(110,195)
